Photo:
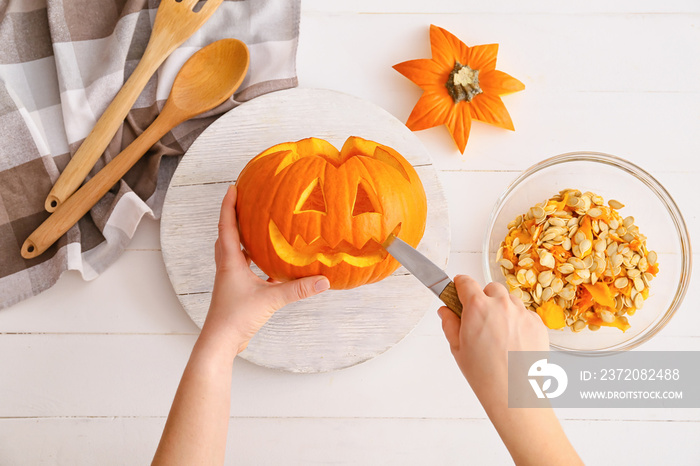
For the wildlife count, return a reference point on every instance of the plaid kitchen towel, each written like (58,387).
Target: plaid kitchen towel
(61,63)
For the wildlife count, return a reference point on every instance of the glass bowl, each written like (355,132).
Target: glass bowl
(655,212)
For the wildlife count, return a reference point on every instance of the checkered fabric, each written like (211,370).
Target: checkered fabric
(61,64)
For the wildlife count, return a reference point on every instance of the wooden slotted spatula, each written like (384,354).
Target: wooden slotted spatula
(175,22)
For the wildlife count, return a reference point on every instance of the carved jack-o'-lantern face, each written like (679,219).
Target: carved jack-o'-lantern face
(305,209)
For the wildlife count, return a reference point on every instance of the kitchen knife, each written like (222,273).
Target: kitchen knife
(426,271)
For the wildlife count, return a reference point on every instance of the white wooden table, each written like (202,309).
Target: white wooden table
(93,367)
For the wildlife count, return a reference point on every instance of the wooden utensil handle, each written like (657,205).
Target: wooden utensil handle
(69,212)
(451,299)
(106,127)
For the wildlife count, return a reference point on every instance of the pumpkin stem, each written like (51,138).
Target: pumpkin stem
(463,83)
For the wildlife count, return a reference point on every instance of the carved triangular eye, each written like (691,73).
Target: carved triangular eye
(365,200)
(312,199)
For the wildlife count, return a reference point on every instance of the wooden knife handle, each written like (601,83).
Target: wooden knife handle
(451,299)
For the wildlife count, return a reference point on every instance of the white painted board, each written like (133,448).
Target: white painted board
(336,329)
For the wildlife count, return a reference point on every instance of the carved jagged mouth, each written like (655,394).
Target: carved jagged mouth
(302,253)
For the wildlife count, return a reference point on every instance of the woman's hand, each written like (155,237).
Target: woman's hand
(242,302)
(493,323)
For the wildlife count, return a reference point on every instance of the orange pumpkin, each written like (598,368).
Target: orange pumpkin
(304,208)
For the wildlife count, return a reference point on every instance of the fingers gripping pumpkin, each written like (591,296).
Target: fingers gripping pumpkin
(305,209)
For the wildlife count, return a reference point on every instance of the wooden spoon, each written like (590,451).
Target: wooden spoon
(206,80)
(175,22)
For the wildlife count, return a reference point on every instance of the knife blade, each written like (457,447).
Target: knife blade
(426,271)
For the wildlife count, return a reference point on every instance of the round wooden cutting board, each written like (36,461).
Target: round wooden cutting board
(335,329)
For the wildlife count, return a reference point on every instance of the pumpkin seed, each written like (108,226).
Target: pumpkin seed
(615,204)
(567,293)
(512,281)
(545,278)
(557,285)
(619,302)
(612,249)
(537,294)
(522,248)
(547,260)
(638,301)
(531,277)
(522,279)
(621,283)
(549,236)
(616,260)
(633,273)
(577,263)
(505,263)
(607,316)
(635,259)
(566,244)
(648,277)
(638,284)
(579,325)
(595,212)
(593,327)
(585,246)
(537,212)
(527,262)
(558,222)
(566,269)
(643,265)
(600,266)
(547,294)
(628,221)
(652,257)
(599,245)
(576,250)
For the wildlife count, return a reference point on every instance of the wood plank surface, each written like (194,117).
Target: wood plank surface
(318,441)
(88,370)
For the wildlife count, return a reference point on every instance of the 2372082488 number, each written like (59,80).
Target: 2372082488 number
(639,374)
